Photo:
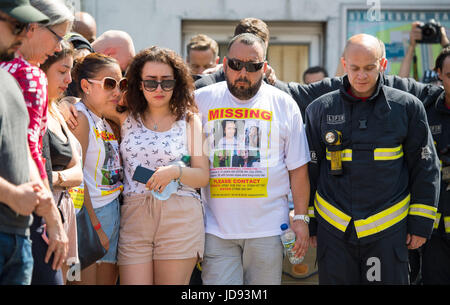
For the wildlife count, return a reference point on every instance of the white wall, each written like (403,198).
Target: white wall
(159,22)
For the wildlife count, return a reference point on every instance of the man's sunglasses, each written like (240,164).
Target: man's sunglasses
(109,83)
(18,27)
(237,65)
(166,85)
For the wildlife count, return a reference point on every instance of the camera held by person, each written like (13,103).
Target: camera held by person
(431,32)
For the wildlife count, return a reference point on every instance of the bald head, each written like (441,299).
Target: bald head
(365,43)
(85,25)
(117,44)
(363,61)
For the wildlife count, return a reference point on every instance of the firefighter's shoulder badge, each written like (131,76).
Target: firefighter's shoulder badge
(426,153)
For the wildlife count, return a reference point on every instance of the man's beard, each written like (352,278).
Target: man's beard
(7,55)
(244,93)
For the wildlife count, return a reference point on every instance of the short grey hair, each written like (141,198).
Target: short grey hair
(248,39)
(56,10)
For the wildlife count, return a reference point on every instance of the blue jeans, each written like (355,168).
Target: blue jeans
(16,261)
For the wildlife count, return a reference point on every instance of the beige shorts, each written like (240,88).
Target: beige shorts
(152,229)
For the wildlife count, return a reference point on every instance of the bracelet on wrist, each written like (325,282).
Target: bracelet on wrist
(98,226)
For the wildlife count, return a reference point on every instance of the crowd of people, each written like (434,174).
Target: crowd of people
(365,157)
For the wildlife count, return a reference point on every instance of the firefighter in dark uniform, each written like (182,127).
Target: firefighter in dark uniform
(374,173)
(436,251)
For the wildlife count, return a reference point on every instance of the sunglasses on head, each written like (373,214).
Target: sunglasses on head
(166,85)
(18,27)
(109,83)
(237,65)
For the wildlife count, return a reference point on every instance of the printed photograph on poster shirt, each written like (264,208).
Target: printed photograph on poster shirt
(238,155)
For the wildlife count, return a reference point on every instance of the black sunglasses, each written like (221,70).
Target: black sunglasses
(109,83)
(18,27)
(237,65)
(166,85)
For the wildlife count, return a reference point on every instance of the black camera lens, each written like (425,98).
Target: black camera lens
(429,31)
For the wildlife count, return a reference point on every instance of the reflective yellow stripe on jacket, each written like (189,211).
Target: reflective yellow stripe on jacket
(346,155)
(447,224)
(373,224)
(423,210)
(382,220)
(331,214)
(379,154)
(436,220)
(311,212)
(383,154)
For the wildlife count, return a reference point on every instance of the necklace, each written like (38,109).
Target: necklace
(155,125)
(101,118)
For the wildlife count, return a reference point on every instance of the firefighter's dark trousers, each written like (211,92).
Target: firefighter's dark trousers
(384,261)
(436,261)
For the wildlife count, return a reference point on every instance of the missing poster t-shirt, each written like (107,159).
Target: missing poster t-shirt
(252,146)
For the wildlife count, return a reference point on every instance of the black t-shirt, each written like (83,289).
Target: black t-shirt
(14,167)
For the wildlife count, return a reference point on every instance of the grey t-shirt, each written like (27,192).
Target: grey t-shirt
(14,167)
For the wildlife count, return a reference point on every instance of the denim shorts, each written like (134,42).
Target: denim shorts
(109,217)
(16,261)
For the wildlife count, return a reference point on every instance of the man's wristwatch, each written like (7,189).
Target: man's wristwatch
(305,218)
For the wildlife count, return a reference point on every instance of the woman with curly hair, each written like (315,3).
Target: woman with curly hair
(161,241)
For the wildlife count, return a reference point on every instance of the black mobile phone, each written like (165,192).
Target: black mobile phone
(142,174)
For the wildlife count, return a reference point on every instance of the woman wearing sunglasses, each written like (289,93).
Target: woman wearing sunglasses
(160,241)
(98,80)
(65,150)
(39,43)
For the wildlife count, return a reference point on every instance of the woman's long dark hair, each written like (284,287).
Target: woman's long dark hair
(182,102)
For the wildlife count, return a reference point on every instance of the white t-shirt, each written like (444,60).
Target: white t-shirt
(102,171)
(249,185)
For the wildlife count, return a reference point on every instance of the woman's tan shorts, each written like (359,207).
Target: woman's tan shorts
(152,229)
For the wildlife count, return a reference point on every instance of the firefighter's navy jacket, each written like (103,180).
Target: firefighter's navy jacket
(439,120)
(390,167)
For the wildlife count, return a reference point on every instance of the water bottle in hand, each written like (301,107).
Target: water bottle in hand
(288,240)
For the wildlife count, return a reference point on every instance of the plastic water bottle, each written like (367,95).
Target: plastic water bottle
(288,240)
(173,185)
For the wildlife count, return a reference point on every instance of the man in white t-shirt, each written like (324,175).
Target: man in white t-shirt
(244,205)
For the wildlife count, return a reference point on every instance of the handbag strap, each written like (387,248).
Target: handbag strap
(58,205)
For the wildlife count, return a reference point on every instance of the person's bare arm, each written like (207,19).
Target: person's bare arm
(73,174)
(66,107)
(22,199)
(58,244)
(299,180)
(414,35)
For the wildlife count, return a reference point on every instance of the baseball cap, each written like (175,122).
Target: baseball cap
(22,11)
(79,42)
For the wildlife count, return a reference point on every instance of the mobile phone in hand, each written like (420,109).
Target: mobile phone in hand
(142,174)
